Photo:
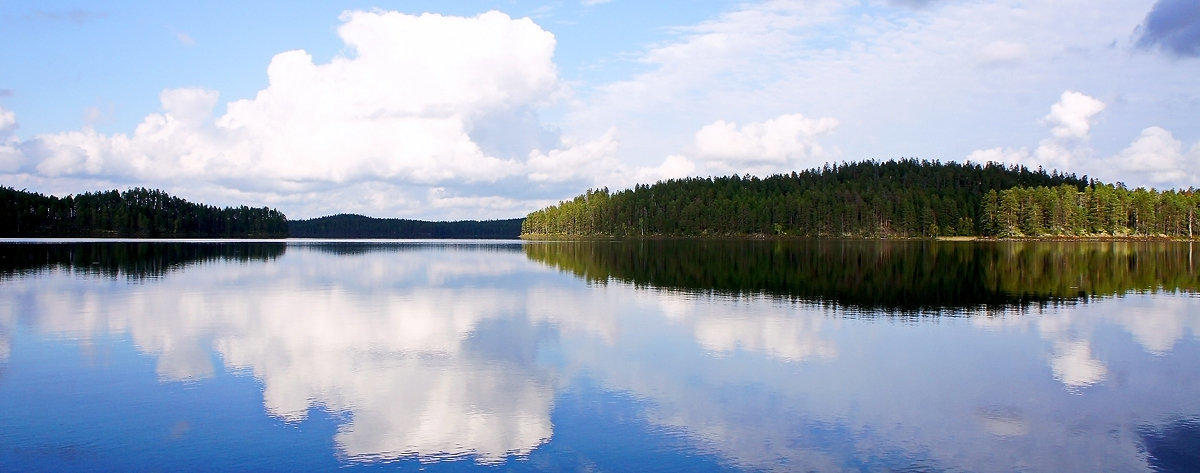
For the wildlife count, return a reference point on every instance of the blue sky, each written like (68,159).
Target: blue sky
(474,109)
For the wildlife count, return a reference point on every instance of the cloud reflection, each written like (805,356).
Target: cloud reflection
(781,386)
(423,357)
(1074,366)
(384,342)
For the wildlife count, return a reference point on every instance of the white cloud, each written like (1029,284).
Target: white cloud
(1072,116)
(935,82)
(396,109)
(8,124)
(999,155)
(573,161)
(783,143)
(10,157)
(1159,158)
(779,139)
(1155,157)
(674,166)
(421,102)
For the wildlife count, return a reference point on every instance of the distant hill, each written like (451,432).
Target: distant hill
(138,213)
(899,198)
(358,226)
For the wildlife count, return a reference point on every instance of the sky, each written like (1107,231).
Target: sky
(491,109)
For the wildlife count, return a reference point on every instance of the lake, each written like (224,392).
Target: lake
(599,356)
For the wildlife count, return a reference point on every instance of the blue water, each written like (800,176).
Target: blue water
(475,356)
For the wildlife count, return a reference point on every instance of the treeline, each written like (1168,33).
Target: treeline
(135,212)
(358,226)
(1099,209)
(905,198)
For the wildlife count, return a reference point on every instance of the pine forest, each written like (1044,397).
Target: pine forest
(898,198)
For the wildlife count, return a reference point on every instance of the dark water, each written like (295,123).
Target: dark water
(607,356)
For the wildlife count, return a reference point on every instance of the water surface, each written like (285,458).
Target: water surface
(602,356)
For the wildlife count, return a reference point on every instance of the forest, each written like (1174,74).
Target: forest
(137,212)
(358,226)
(146,213)
(897,198)
(1099,209)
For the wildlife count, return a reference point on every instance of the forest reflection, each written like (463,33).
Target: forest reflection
(901,276)
(132,259)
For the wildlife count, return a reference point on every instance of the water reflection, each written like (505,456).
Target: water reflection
(130,258)
(904,276)
(387,342)
(887,393)
(436,352)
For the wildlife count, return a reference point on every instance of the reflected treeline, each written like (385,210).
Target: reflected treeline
(348,247)
(131,259)
(889,275)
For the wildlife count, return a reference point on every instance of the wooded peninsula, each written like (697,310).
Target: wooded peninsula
(895,199)
(135,213)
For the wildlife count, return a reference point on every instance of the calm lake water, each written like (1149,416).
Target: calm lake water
(635,356)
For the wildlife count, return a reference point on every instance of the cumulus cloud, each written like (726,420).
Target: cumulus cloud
(1072,116)
(1172,26)
(1155,157)
(414,103)
(401,105)
(673,167)
(785,140)
(1159,157)
(573,161)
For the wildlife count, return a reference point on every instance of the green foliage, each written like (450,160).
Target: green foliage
(905,198)
(358,226)
(137,212)
(1099,209)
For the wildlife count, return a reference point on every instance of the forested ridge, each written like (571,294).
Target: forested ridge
(358,226)
(898,198)
(136,212)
